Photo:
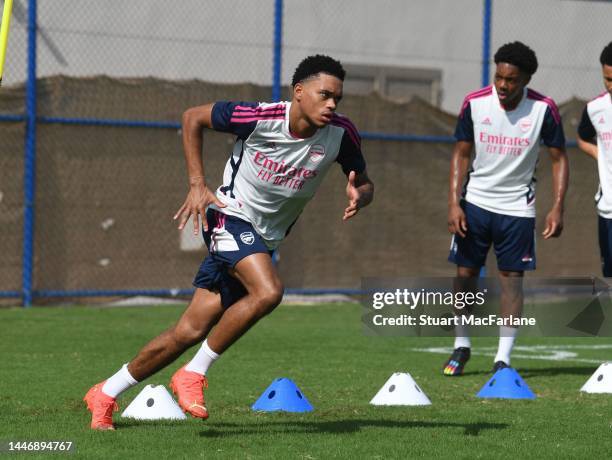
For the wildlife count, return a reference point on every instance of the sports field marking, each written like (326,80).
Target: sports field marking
(546,352)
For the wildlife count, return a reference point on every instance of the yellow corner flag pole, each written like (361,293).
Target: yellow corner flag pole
(4,30)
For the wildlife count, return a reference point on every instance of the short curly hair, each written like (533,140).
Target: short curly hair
(606,55)
(313,65)
(518,54)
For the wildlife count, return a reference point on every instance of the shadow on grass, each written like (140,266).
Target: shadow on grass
(536,372)
(133,423)
(468,373)
(552,371)
(222,430)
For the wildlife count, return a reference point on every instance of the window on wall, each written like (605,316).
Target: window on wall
(396,83)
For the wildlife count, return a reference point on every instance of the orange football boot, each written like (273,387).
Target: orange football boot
(189,387)
(101,407)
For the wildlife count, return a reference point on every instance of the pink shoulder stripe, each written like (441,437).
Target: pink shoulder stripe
(483,92)
(605,93)
(480,92)
(260,109)
(257,114)
(245,114)
(349,127)
(531,94)
(256,118)
(280,105)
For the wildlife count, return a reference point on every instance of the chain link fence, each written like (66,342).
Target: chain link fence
(113,79)
(12,135)
(567,36)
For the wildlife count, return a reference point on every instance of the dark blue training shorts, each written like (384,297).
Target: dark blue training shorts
(605,245)
(229,240)
(513,239)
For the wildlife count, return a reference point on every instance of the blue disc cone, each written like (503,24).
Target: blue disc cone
(282,395)
(506,383)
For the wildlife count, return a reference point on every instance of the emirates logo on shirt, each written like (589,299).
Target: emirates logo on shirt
(316,152)
(605,136)
(525,124)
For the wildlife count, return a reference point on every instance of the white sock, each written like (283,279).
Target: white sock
(506,342)
(462,338)
(119,382)
(202,360)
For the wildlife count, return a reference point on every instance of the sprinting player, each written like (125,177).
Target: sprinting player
(595,139)
(280,157)
(496,204)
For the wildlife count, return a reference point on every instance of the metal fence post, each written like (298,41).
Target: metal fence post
(486,41)
(29,173)
(277,51)
(486,53)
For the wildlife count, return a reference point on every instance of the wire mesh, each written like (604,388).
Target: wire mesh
(567,37)
(115,76)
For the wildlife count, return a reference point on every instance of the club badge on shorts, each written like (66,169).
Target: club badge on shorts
(247,238)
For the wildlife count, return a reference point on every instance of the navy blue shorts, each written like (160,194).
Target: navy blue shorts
(229,240)
(605,245)
(513,239)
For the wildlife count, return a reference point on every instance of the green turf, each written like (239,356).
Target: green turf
(50,356)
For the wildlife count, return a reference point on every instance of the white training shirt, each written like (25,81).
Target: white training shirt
(272,174)
(502,176)
(597,122)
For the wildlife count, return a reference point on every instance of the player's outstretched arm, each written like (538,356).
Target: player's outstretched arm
(359,191)
(560,173)
(587,147)
(460,162)
(199,196)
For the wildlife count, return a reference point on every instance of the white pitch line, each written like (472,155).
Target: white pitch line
(554,347)
(557,352)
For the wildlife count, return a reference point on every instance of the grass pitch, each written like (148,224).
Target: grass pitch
(50,356)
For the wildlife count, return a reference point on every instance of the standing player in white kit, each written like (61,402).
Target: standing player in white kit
(595,139)
(280,157)
(505,123)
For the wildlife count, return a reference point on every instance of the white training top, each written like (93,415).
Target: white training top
(502,176)
(597,122)
(272,174)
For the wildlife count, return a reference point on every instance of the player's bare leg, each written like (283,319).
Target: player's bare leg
(511,304)
(200,316)
(265,291)
(465,281)
(194,325)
